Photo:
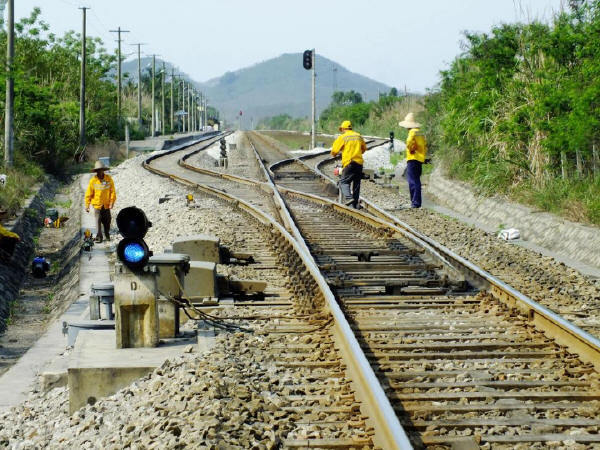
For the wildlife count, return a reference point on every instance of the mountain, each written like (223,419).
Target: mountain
(281,85)
(276,86)
(131,68)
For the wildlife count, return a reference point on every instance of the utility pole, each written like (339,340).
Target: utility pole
(194,112)
(139,45)
(153,96)
(314,109)
(82,84)
(162,90)
(172,98)
(189,101)
(183,105)
(205,111)
(9,137)
(119,84)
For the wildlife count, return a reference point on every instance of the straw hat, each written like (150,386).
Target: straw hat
(409,122)
(346,125)
(99,166)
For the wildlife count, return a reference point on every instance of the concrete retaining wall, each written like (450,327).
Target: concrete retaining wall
(168,143)
(112,149)
(26,225)
(577,241)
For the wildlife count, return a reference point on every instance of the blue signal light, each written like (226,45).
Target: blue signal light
(133,252)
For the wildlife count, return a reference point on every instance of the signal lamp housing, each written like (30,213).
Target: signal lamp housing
(133,223)
(307,59)
(132,249)
(134,253)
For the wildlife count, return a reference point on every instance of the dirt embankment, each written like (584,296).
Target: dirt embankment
(38,301)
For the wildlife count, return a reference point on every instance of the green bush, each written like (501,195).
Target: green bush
(517,112)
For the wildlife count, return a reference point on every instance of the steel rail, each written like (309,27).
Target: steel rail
(563,332)
(389,433)
(551,323)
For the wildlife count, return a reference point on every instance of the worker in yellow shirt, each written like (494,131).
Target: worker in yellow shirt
(352,146)
(8,242)
(101,195)
(416,151)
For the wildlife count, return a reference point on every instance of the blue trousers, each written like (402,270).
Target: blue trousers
(413,175)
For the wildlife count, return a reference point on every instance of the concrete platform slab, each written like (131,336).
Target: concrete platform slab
(98,369)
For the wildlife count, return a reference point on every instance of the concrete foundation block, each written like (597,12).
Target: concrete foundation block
(136,318)
(98,369)
(200,247)
(168,318)
(52,380)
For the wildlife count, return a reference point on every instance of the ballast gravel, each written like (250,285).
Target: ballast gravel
(234,396)
(542,278)
(240,160)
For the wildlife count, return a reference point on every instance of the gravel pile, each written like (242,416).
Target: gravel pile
(377,158)
(542,278)
(240,393)
(174,218)
(234,394)
(241,161)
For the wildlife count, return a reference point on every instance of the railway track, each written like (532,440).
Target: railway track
(460,366)
(323,409)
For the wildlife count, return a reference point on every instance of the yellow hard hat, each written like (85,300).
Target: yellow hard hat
(346,125)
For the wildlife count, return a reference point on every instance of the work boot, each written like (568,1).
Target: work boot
(107,237)
(98,239)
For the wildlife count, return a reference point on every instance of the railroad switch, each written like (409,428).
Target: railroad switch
(204,247)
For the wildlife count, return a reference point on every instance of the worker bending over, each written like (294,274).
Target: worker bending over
(416,151)
(101,195)
(352,146)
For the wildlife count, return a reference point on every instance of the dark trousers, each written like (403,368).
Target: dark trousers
(413,175)
(352,173)
(102,219)
(7,247)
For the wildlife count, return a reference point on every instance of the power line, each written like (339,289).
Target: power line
(119,84)
(139,45)
(82,141)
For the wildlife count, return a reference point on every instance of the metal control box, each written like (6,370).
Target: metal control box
(170,270)
(201,281)
(200,247)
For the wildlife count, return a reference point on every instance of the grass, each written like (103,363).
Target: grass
(13,307)
(395,158)
(19,181)
(576,200)
(53,204)
(47,309)
(296,141)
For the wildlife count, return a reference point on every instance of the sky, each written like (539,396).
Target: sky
(398,42)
